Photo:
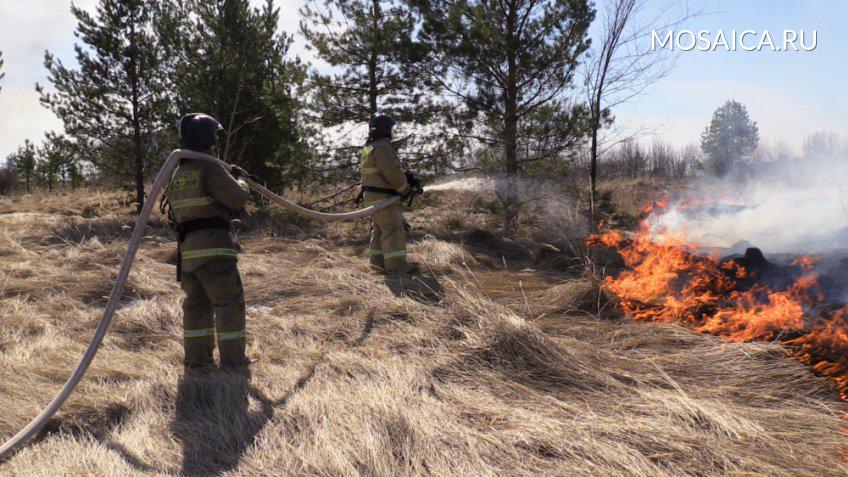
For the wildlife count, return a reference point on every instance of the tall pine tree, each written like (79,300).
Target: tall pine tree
(371,43)
(511,64)
(377,67)
(229,61)
(116,100)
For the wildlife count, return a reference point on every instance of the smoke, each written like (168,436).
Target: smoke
(551,205)
(790,206)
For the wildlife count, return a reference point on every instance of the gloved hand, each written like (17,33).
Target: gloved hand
(415,187)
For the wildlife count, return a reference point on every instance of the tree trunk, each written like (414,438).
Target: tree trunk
(511,125)
(232,122)
(596,127)
(593,170)
(138,152)
(372,59)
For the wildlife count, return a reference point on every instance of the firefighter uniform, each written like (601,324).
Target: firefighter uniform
(203,197)
(381,169)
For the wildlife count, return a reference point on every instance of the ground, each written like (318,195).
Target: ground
(504,357)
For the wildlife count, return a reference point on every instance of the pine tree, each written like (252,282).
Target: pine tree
(379,69)
(69,159)
(729,139)
(511,64)
(116,100)
(229,61)
(55,161)
(371,42)
(23,163)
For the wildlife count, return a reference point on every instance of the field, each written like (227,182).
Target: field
(505,357)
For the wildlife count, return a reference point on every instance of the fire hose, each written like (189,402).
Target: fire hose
(129,256)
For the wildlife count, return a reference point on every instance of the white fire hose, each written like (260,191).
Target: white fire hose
(138,232)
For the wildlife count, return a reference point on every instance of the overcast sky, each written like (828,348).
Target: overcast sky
(790,94)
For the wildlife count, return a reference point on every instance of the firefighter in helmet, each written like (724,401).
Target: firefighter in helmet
(384,176)
(203,197)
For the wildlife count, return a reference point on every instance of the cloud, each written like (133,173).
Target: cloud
(28,28)
(22,117)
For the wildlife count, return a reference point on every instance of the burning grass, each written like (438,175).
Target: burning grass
(742,300)
(487,366)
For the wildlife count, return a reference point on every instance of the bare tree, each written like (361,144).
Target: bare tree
(622,65)
(824,145)
(1,67)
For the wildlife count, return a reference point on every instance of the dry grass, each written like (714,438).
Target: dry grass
(487,366)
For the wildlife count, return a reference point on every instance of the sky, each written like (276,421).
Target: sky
(789,94)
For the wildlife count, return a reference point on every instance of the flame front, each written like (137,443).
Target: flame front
(668,281)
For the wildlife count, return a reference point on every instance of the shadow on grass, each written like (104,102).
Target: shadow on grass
(214,421)
(421,288)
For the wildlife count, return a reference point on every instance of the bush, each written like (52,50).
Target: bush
(8,181)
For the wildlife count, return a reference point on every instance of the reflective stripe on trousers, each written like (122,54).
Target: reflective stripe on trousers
(199,333)
(395,254)
(209,252)
(222,336)
(230,335)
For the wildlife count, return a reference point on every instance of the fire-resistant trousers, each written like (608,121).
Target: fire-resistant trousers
(388,241)
(214,309)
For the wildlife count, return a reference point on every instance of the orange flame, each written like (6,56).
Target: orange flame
(669,282)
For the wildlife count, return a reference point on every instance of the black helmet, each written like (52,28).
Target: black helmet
(197,130)
(380,126)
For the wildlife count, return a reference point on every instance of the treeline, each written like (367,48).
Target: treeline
(634,159)
(140,65)
(52,164)
(509,87)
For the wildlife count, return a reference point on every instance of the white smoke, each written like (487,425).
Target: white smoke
(793,206)
(552,205)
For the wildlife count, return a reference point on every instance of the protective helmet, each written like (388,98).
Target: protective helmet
(198,130)
(380,125)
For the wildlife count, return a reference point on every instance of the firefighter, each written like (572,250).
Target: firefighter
(203,198)
(384,176)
